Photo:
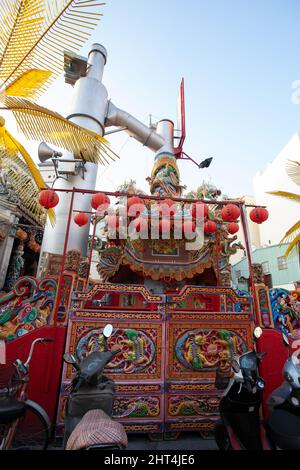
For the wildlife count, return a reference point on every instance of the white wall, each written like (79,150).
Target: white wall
(283,213)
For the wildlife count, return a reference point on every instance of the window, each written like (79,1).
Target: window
(281,262)
(238,274)
(265,267)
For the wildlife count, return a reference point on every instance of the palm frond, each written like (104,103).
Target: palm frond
(10,149)
(291,232)
(285,194)
(292,168)
(39,123)
(28,84)
(293,245)
(35,33)
(20,180)
(291,237)
(12,146)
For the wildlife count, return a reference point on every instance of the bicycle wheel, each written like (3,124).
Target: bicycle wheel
(32,432)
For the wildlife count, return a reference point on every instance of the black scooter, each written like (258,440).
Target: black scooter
(240,426)
(88,422)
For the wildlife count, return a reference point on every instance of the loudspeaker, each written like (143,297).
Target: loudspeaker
(45,152)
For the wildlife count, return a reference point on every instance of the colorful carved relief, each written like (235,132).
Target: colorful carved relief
(136,407)
(165,178)
(64,297)
(264,313)
(193,405)
(165,370)
(286,311)
(231,300)
(27,307)
(140,347)
(200,350)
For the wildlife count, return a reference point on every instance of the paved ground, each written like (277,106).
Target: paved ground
(185,441)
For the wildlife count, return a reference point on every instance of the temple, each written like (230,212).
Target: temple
(164,282)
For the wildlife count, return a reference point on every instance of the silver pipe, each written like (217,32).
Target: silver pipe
(134,127)
(165,128)
(88,109)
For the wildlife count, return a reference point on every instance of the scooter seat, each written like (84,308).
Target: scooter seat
(10,410)
(97,429)
(285,429)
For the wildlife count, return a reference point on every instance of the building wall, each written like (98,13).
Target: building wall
(283,213)
(280,277)
(47,171)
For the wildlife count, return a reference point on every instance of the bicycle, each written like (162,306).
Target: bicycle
(24,424)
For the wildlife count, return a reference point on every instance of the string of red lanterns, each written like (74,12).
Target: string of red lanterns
(48,198)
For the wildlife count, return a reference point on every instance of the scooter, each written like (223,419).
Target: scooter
(240,426)
(88,422)
(283,425)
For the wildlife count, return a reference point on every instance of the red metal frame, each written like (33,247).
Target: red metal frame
(91,248)
(60,279)
(244,224)
(179,148)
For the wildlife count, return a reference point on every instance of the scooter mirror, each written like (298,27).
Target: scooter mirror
(107,330)
(257,332)
(70,358)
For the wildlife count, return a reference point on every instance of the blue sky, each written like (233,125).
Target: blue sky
(239,59)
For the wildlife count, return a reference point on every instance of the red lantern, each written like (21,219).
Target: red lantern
(167,207)
(165,226)
(199,208)
(259,215)
(140,224)
(48,198)
(100,199)
(230,212)
(81,219)
(135,206)
(210,227)
(113,221)
(134,200)
(189,227)
(232,228)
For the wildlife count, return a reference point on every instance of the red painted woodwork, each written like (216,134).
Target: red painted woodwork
(45,366)
(272,363)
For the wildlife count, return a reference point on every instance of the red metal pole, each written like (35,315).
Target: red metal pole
(59,285)
(60,279)
(249,257)
(217,260)
(159,198)
(91,249)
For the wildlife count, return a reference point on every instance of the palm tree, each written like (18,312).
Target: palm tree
(34,36)
(292,236)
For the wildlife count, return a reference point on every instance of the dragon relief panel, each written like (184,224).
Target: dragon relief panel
(136,407)
(140,348)
(27,307)
(197,350)
(193,405)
